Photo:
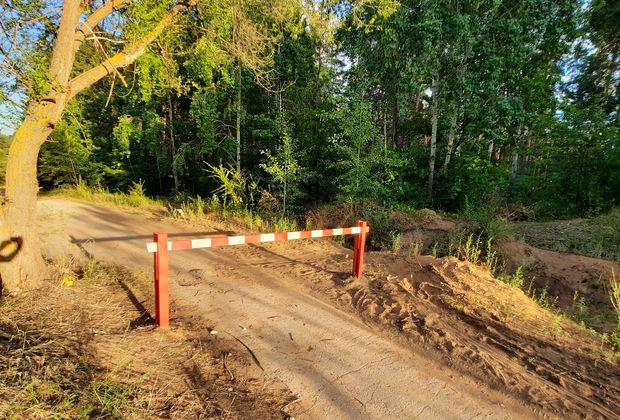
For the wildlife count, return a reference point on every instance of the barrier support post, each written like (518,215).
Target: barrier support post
(358,249)
(162,302)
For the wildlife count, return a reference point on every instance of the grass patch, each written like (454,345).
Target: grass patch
(596,237)
(196,209)
(135,197)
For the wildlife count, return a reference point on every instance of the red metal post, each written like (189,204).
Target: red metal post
(358,249)
(162,302)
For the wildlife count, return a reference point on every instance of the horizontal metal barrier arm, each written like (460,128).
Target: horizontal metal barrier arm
(252,239)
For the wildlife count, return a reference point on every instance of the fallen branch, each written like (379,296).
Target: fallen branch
(249,351)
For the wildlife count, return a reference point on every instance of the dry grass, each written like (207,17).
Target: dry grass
(85,347)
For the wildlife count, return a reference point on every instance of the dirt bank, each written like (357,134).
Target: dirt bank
(567,276)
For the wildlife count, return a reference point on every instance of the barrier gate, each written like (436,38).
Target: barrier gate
(161,246)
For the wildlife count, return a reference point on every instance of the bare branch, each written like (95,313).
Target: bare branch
(110,40)
(95,19)
(123,58)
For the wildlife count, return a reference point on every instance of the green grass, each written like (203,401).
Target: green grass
(597,237)
(135,197)
(194,209)
(47,376)
(614,296)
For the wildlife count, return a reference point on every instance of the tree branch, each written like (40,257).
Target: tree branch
(94,19)
(123,58)
(61,62)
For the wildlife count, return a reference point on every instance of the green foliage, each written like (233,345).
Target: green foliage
(516,280)
(613,340)
(135,198)
(490,226)
(466,247)
(513,131)
(283,167)
(580,167)
(396,244)
(233,186)
(545,300)
(67,156)
(358,150)
(614,296)
(5,142)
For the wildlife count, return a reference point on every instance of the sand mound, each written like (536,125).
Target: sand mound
(490,330)
(563,274)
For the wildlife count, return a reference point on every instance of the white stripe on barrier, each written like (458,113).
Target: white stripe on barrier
(337,232)
(152,246)
(201,243)
(267,237)
(316,234)
(236,240)
(356,230)
(294,235)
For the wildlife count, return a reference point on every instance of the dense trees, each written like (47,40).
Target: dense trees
(417,103)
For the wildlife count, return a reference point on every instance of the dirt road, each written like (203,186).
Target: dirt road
(336,365)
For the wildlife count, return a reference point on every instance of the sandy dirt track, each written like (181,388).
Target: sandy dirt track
(337,366)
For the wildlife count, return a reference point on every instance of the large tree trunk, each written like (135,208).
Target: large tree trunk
(434,122)
(21,263)
(27,268)
(238,125)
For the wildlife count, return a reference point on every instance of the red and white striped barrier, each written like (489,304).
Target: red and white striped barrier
(161,246)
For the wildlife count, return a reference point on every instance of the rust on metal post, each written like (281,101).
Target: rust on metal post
(358,249)
(162,301)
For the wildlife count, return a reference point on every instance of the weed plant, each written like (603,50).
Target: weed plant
(614,297)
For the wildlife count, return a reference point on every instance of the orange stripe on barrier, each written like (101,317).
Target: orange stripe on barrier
(250,239)
(219,241)
(181,245)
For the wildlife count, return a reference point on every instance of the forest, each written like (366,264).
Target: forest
(283,106)
(477,140)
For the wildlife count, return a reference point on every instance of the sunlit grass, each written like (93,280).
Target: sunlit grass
(135,197)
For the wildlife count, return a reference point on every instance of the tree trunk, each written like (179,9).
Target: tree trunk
(395,115)
(385,138)
(434,121)
(514,169)
(449,149)
(23,266)
(239,118)
(26,268)
(173,145)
